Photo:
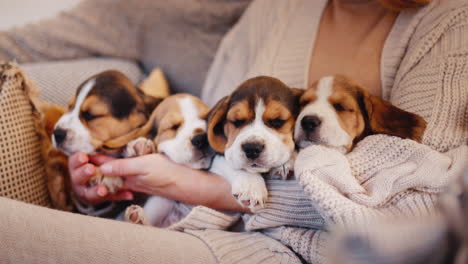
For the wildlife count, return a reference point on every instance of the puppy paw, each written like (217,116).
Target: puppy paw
(139,147)
(250,192)
(113,184)
(286,170)
(283,172)
(135,214)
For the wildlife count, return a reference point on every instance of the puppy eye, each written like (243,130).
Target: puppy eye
(276,123)
(238,122)
(88,116)
(339,107)
(303,103)
(175,127)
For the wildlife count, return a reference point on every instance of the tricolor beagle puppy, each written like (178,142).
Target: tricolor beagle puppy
(105,108)
(337,112)
(180,125)
(252,130)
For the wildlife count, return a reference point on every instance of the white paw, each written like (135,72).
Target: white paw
(135,214)
(113,184)
(139,147)
(283,172)
(286,170)
(250,192)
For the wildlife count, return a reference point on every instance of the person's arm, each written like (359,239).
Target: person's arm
(92,28)
(152,174)
(155,174)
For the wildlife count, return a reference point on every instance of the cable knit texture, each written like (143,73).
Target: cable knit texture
(423,70)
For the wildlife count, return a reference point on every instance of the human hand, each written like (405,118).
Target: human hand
(82,168)
(148,174)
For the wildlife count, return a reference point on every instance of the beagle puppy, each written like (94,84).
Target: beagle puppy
(252,131)
(337,112)
(105,109)
(180,127)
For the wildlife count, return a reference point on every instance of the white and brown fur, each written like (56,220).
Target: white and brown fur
(105,108)
(338,112)
(252,131)
(180,127)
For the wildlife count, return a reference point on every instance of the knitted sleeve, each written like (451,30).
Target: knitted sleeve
(92,28)
(236,52)
(388,172)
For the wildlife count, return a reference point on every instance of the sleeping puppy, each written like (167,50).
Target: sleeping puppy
(252,131)
(180,126)
(105,109)
(181,131)
(337,112)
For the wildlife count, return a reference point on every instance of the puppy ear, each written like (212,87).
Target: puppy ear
(156,84)
(150,102)
(216,120)
(297,92)
(381,117)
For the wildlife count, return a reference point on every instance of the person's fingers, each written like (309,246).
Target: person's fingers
(77,160)
(99,193)
(121,196)
(82,174)
(127,167)
(100,159)
(91,194)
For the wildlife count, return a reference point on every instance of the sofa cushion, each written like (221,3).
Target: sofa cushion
(58,80)
(22,175)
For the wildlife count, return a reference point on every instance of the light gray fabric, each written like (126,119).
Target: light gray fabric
(179,36)
(58,81)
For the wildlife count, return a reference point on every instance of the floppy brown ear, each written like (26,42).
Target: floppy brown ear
(384,118)
(151,102)
(216,120)
(297,92)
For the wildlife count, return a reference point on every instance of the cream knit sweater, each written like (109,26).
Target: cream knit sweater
(424,70)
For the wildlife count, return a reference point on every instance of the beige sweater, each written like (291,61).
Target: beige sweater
(423,71)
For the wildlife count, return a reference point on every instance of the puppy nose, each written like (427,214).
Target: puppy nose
(310,123)
(252,150)
(200,141)
(59,135)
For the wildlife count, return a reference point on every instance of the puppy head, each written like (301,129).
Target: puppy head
(104,107)
(181,130)
(337,112)
(253,126)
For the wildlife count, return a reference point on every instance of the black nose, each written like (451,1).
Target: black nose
(310,123)
(200,141)
(252,150)
(59,135)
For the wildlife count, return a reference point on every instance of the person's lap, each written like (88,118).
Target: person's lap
(34,234)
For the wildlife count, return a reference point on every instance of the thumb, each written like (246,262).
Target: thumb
(125,167)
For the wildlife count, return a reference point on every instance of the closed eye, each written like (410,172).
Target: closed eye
(339,107)
(88,116)
(303,103)
(276,123)
(238,122)
(175,127)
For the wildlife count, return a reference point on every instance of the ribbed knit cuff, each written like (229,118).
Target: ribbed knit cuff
(245,247)
(202,217)
(310,244)
(288,205)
